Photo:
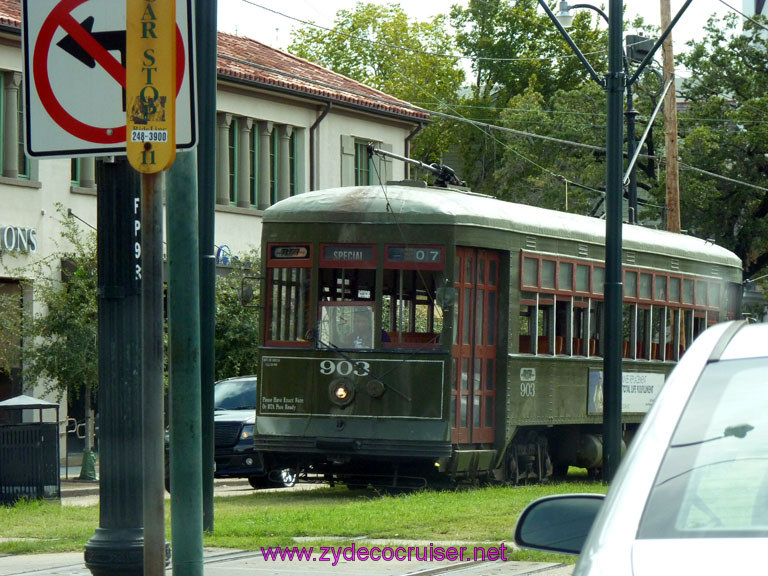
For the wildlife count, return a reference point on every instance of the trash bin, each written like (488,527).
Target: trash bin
(29,454)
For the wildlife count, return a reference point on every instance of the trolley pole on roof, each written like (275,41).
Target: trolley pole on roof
(443,174)
(615,83)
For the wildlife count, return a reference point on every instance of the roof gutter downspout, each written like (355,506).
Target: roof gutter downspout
(312,159)
(407,147)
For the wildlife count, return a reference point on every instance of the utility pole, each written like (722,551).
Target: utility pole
(670,143)
(670,126)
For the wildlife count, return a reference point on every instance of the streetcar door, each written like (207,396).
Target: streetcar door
(474,346)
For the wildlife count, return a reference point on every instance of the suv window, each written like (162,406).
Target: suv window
(235,395)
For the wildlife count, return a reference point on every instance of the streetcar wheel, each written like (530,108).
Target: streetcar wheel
(258,481)
(285,478)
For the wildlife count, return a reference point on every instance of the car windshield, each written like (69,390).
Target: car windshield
(235,394)
(713,481)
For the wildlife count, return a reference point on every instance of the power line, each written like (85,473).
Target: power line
(755,22)
(406,105)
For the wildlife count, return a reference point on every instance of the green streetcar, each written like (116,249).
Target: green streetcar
(412,334)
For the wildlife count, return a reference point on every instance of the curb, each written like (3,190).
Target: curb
(73,488)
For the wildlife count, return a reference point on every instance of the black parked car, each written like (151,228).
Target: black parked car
(234,403)
(234,417)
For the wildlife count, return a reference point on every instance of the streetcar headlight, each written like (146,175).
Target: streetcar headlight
(341,392)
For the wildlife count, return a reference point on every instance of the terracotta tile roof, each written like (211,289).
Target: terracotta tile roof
(252,62)
(245,59)
(10,13)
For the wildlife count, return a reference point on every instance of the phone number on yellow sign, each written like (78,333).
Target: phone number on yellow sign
(149,135)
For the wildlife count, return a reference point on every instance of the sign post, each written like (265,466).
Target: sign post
(150,92)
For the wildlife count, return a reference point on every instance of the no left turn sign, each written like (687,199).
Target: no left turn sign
(74,77)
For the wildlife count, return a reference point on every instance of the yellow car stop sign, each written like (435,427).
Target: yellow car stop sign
(150,84)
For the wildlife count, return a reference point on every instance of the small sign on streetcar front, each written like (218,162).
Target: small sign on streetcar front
(348,254)
(413,257)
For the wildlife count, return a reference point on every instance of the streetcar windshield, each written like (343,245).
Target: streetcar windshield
(346,325)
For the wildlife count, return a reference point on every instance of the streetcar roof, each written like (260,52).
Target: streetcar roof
(422,205)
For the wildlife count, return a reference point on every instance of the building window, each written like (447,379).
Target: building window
(253,186)
(362,165)
(23,162)
(293,163)
(14,162)
(273,169)
(233,161)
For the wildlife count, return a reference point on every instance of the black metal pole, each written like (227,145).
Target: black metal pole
(206,37)
(117,547)
(613,241)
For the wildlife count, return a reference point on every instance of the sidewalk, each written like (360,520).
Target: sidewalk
(218,562)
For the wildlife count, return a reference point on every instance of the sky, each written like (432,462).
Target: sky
(254,19)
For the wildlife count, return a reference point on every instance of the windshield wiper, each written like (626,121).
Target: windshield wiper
(737,431)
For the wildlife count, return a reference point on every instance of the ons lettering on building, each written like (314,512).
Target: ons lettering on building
(18,239)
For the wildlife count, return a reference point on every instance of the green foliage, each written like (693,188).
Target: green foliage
(724,130)
(379,46)
(515,46)
(532,169)
(60,339)
(237,325)
(516,50)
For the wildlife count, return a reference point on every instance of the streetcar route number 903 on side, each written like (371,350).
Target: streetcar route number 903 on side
(149,135)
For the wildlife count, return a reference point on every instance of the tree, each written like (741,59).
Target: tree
(533,170)
(237,318)
(60,339)
(723,129)
(515,49)
(379,46)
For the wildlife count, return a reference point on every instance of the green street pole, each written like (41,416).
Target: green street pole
(206,39)
(615,83)
(184,367)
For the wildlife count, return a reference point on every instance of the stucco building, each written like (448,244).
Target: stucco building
(284,126)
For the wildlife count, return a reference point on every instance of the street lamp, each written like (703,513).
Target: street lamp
(614,83)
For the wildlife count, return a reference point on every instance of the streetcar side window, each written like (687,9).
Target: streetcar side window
(414,291)
(288,304)
(289,274)
(410,313)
